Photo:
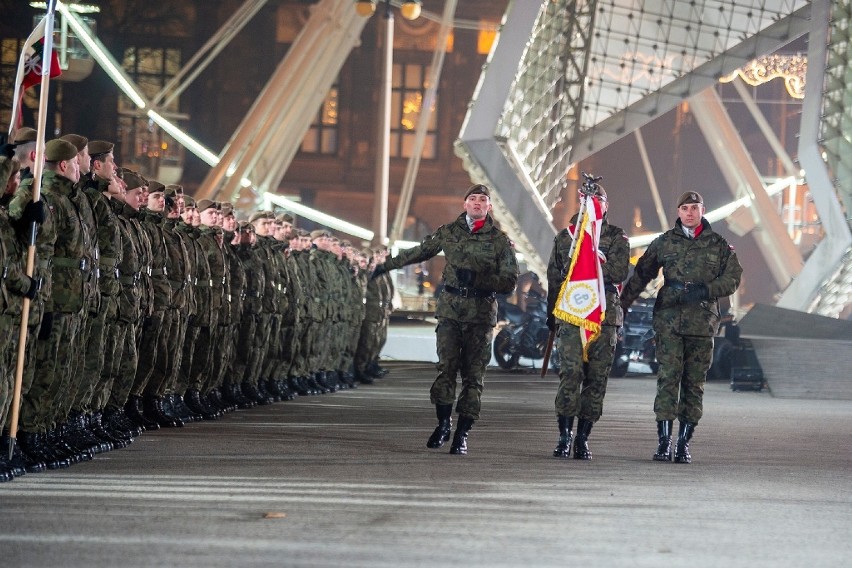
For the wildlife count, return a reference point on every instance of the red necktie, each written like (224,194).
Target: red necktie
(477,224)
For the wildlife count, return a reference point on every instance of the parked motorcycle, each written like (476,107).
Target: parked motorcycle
(523,333)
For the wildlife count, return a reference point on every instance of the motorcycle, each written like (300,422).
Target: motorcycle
(523,333)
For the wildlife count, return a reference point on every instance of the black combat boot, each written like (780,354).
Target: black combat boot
(581,442)
(683,438)
(664,433)
(563,447)
(460,438)
(99,429)
(134,409)
(19,460)
(192,399)
(445,426)
(34,448)
(154,411)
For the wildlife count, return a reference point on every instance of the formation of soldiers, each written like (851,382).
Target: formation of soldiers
(150,310)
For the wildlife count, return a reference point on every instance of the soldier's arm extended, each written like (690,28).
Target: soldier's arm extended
(428,248)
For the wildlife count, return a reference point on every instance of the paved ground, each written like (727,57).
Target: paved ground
(346,480)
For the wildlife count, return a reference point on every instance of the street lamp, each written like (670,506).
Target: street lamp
(410,10)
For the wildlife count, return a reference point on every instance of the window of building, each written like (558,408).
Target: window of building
(408,88)
(145,146)
(321,137)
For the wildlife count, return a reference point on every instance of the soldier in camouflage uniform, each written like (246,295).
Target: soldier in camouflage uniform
(480,264)
(132,276)
(247,355)
(99,186)
(13,285)
(59,336)
(699,267)
(152,219)
(300,247)
(371,325)
(582,385)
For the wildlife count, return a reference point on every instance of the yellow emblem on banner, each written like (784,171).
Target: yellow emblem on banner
(581,298)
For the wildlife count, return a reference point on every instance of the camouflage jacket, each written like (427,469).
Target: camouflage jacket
(131,264)
(14,280)
(255,279)
(488,252)
(189,236)
(237,279)
(283,284)
(152,222)
(72,263)
(178,264)
(306,305)
(108,235)
(707,259)
(269,299)
(614,245)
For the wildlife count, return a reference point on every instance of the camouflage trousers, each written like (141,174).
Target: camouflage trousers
(55,356)
(147,347)
(582,385)
(368,344)
(9,330)
(243,359)
(463,348)
(123,368)
(206,341)
(684,361)
(167,348)
(93,355)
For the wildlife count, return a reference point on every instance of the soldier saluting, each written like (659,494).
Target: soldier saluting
(480,264)
(699,267)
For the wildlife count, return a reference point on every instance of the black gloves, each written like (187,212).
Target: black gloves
(35,286)
(378,271)
(35,212)
(8,150)
(551,322)
(695,293)
(465,276)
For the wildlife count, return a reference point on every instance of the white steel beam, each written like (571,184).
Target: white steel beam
(782,256)
(827,256)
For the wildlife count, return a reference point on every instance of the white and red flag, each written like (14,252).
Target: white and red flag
(31,66)
(581,300)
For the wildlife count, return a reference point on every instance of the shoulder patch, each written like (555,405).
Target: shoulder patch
(730,247)
(625,237)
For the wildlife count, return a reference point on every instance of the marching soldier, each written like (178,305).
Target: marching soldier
(582,385)
(480,264)
(699,267)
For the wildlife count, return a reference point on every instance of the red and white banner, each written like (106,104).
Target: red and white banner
(31,66)
(581,300)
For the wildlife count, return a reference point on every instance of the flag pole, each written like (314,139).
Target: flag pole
(38,167)
(589,187)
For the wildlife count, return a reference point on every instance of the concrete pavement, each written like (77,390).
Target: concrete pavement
(345,479)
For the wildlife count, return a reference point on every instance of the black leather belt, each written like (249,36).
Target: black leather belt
(470,292)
